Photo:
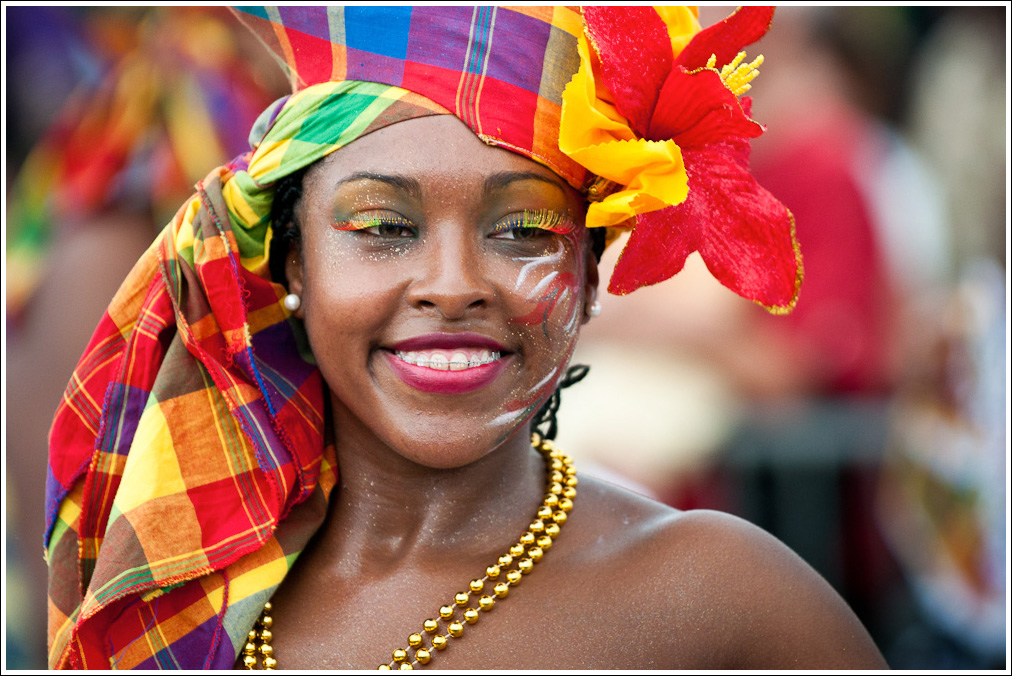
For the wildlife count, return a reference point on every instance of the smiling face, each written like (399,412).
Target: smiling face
(443,283)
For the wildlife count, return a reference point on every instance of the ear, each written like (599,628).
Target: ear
(294,273)
(590,280)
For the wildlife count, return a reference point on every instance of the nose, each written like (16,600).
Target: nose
(452,278)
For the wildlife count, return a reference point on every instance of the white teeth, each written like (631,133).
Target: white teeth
(458,360)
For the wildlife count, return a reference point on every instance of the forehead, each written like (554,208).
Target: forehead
(438,148)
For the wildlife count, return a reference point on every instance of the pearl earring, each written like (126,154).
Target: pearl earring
(594,310)
(292,302)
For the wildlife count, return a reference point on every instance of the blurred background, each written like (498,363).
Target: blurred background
(867,430)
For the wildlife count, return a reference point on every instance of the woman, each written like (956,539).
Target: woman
(344,472)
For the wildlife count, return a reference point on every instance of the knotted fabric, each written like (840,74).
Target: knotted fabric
(195,421)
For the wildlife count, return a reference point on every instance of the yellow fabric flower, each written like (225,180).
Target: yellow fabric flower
(593,133)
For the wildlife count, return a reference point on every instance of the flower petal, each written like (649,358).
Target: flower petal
(594,134)
(748,243)
(651,173)
(586,119)
(655,251)
(743,234)
(682,23)
(635,53)
(726,38)
(697,108)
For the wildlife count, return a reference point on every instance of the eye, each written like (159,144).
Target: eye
(532,224)
(521,232)
(391,229)
(387,225)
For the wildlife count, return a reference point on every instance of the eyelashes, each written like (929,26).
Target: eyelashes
(542,219)
(529,222)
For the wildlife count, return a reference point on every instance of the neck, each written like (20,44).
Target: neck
(389,512)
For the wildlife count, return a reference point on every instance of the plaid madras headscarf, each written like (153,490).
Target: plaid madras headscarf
(190,460)
(501,71)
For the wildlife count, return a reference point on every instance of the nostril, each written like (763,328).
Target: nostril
(452,304)
(453,281)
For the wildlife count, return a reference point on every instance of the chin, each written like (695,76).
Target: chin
(436,446)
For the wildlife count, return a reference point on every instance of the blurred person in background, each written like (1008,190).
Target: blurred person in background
(48,56)
(160,95)
(943,501)
(47,43)
(823,151)
(872,214)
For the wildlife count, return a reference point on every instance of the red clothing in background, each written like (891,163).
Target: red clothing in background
(843,313)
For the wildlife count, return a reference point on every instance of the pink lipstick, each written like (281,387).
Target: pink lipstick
(447,363)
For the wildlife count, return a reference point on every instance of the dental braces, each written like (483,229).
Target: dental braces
(431,363)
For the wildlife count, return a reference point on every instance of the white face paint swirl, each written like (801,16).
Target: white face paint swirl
(536,261)
(544,282)
(574,314)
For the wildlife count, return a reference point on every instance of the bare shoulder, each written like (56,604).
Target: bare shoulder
(722,592)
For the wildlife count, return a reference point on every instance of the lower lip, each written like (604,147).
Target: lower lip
(445,382)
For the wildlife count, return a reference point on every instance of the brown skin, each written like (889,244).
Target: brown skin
(434,487)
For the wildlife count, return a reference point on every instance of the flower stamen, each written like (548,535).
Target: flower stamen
(737,76)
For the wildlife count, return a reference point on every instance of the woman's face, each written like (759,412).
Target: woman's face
(443,284)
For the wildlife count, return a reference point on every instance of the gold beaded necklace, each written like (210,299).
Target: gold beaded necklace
(508,570)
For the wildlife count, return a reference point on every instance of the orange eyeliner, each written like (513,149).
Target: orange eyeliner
(372,222)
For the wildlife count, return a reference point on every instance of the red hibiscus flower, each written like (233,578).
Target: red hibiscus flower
(690,97)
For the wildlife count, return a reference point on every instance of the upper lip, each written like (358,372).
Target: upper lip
(447,341)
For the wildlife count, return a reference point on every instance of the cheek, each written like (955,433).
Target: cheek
(547,291)
(546,312)
(345,295)
(336,265)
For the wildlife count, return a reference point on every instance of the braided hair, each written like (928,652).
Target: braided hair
(288,192)
(544,420)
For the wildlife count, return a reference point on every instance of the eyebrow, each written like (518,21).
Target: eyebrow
(408,185)
(493,183)
(500,180)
